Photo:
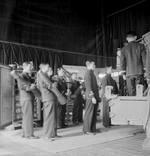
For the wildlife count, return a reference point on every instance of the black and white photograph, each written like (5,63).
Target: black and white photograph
(74,78)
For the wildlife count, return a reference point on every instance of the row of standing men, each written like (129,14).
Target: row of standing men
(54,112)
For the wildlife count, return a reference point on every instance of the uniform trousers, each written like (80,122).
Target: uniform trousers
(50,119)
(27,118)
(132,81)
(89,122)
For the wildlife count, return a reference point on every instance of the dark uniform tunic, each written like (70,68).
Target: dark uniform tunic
(49,100)
(148,63)
(62,87)
(26,100)
(89,124)
(122,86)
(133,59)
(107,81)
(77,102)
(147,126)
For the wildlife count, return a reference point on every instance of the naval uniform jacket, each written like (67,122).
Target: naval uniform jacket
(109,81)
(91,84)
(133,59)
(24,84)
(45,86)
(62,86)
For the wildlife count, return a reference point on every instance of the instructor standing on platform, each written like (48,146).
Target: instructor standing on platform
(133,59)
(92,99)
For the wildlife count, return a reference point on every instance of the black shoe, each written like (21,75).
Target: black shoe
(76,123)
(64,126)
(32,137)
(89,133)
(58,136)
(49,138)
(58,127)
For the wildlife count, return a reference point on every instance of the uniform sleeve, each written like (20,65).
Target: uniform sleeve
(148,64)
(88,83)
(115,88)
(143,55)
(103,85)
(14,74)
(104,82)
(123,60)
(77,91)
(46,80)
(24,85)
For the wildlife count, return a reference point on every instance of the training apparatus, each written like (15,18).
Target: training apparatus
(128,110)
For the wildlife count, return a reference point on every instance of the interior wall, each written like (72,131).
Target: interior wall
(136,18)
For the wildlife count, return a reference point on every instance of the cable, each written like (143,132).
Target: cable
(129,7)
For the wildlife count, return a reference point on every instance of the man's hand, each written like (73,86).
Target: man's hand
(81,87)
(54,85)
(68,93)
(124,77)
(122,72)
(39,72)
(33,86)
(94,100)
(12,72)
(91,94)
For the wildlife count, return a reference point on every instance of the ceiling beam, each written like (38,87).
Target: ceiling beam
(124,9)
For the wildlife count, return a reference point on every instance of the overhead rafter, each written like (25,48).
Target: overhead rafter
(124,9)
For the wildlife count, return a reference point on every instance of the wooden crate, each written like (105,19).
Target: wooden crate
(6,96)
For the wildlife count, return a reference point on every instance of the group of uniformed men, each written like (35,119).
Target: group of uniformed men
(53,91)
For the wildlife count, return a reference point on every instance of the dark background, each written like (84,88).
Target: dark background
(75,26)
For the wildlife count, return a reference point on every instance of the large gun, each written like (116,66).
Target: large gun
(52,86)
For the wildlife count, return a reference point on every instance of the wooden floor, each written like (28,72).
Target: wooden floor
(131,146)
(126,146)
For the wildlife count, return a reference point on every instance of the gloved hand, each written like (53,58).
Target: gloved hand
(94,100)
